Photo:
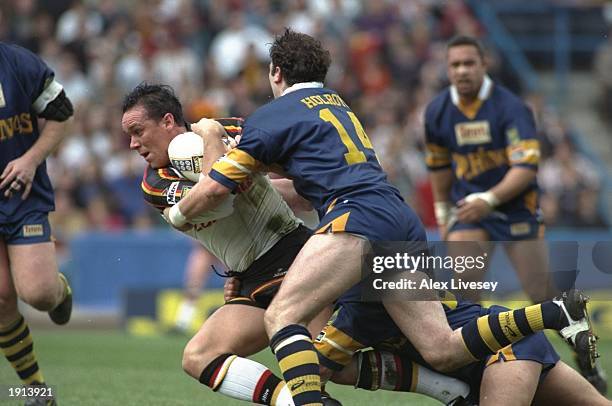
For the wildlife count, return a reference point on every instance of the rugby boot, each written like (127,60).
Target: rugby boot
(578,332)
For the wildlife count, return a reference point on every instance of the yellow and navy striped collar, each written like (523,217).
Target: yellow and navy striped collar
(303,85)
(483,93)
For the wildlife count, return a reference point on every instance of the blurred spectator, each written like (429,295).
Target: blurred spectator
(603,73)
(567,180)
(389,60)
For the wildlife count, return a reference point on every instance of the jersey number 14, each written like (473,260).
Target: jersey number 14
(354,154)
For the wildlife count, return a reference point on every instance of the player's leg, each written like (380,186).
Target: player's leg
(564,386)
(535,270)
(471,242)
(15,338)
(380,370)
(530,261)
(510,383)
(327,266)
(216,356)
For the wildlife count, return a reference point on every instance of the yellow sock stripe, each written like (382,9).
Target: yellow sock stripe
(311,383)
(297,359)
(17,347)
(276,392)
(37,377)
(24,363)
(7,338)
(486,334)
(224,368)
(534,317)
(415,377)
(509,326)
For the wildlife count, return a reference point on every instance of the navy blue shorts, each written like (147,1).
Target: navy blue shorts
(374,216)
(32,228)
(505,228)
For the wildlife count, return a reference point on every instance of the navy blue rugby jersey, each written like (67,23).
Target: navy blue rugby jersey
(314,138)
(482,141)
(27,85)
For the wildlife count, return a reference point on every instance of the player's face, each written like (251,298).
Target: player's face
(466,69)
(148,137)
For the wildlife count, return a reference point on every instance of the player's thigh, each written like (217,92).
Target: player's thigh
(327,266)
(563,386)
(232,329)
(34,269)
(510,383)
(8,295)
(468,234)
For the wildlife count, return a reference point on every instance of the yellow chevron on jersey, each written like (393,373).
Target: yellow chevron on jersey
(236,165)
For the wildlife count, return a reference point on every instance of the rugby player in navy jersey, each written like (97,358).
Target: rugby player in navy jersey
(483,155)
(310,134)
(28,267)
(257,239)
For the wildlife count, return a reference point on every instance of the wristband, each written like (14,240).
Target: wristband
(488,196)
(177,219)
(442,212)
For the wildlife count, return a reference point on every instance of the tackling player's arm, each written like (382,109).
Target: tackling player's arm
(211,132)
(226,174)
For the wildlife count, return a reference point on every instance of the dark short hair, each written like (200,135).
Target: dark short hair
(461,40)
(157,100)
(300,57)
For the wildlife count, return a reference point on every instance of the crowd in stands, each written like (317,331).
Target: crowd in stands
(388,62)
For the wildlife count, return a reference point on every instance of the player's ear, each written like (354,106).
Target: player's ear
(168,120)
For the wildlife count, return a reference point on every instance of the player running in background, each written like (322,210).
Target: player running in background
(483,155)
(197,270)
(28,267)
(257,241)
(309,133)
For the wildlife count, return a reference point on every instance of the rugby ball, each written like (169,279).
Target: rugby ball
(186,151)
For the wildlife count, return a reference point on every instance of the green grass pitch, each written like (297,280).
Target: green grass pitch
(110,368)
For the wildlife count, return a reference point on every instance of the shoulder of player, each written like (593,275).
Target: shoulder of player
(506,101)
(15,54)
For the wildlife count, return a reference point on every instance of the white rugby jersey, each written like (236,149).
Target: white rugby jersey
(259,220)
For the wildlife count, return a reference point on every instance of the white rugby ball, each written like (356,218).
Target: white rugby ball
(186,151)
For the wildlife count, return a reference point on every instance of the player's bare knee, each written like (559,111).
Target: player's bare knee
(196,356)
